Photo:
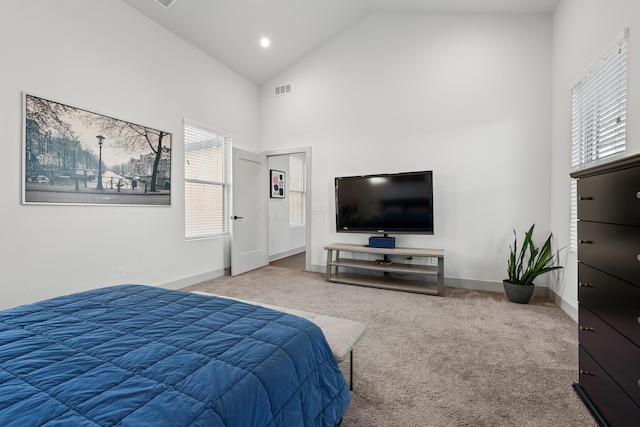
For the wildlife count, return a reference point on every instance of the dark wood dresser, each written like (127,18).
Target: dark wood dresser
(609,291)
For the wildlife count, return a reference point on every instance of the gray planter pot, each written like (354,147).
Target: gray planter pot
(520,294)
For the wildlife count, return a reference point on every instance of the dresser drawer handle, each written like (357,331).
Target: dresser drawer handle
(586,242)
(588,197)
(586,328)
(586,373)
(586,285)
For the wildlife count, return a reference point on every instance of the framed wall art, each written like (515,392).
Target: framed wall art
(277,184)
(74,156)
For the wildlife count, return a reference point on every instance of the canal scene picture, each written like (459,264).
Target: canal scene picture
(74,156)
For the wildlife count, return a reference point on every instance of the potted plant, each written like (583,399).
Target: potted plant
(526,264)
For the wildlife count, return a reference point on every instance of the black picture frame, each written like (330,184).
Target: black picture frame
(277,184)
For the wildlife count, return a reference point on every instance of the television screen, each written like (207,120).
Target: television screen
(385,203)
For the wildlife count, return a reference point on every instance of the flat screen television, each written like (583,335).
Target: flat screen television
(385,203)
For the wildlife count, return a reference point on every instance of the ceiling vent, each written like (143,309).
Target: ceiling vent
(283,89)
(166,3)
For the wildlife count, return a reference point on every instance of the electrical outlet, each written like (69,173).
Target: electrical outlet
(119,272)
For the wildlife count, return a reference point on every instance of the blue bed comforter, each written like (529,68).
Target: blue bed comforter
(138,355)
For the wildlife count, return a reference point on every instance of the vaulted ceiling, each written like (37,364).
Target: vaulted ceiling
(230,30)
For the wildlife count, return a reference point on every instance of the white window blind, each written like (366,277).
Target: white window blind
(599,110)
(297,191)
(207,172)
(573,232)
(599,116)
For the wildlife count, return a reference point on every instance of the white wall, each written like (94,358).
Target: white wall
(105,57)
(284,240)
(465,96)
(582,30)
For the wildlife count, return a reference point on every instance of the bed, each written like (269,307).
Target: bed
(141,355)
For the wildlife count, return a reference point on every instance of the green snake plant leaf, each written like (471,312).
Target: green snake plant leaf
(524,266)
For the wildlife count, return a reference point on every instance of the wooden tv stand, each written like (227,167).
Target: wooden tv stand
(385,280)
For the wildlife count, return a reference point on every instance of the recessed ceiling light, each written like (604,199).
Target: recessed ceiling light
(265,42)
(166,3)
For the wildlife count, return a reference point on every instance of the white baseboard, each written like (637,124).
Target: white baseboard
(285,254)
(489,286)
(570,309)
(478,285)
(192,280)
(315,268)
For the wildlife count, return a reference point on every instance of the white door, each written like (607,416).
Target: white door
(249,217)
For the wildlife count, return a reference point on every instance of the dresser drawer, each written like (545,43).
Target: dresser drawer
(618,356)
(612,402)
(611,248)
(613,300)
(610,197)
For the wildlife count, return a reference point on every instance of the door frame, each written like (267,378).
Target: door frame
(307,205)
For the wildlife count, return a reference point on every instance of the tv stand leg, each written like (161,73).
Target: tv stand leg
(441,276)
(329,260)
(386,260)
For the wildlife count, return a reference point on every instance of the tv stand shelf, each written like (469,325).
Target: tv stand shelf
(386,281)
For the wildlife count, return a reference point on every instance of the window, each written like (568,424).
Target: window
(598,119)
(206,181)
(297,191)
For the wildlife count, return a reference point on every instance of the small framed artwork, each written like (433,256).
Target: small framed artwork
(277,184)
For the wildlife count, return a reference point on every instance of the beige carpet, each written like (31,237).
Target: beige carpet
(469,358)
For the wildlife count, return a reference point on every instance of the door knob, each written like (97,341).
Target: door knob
(236,217)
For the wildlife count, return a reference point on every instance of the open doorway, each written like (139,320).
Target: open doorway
(289,212)
(295,262)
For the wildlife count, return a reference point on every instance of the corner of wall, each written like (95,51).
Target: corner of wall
(566,306)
